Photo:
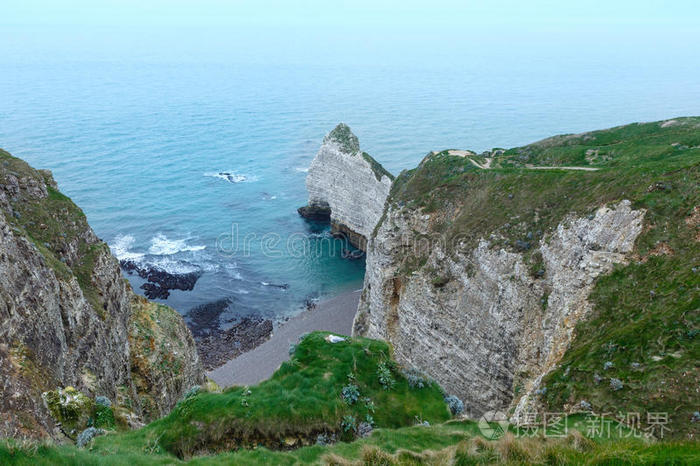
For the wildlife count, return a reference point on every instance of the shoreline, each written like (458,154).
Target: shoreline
(334,315)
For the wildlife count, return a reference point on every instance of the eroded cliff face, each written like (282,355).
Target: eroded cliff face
(350,183)
(70,319)
(477,320)
(560,276)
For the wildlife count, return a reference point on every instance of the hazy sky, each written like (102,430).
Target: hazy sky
(339,30)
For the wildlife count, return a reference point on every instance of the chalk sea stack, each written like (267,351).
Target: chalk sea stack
(346,187)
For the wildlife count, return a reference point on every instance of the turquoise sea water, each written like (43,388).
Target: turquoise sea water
(138,145)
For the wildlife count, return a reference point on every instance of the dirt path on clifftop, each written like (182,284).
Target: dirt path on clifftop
(334,315)
(585,169)
(487,166)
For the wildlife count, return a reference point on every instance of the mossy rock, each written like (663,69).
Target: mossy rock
(71,408)
(342,134)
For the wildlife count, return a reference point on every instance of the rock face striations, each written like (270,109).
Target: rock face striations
(475,320)
(70,319)
(346,187)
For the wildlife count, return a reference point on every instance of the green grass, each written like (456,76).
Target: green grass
(300,401)
(211,428)
(651,341)
(377,168)
(453,442)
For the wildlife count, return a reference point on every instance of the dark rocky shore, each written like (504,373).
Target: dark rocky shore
(216,346)
(316,213)
(159,282)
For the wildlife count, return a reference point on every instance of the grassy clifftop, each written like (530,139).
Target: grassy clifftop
(304,403)
(325,389)
(516,195)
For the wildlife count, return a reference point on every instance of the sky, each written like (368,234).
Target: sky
(359,30)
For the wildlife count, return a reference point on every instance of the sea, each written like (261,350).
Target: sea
(200,166)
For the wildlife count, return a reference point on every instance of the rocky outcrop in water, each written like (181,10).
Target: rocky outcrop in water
(159,281)
(70,319)
(347,186)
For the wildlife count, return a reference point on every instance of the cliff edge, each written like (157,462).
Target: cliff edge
(69,319)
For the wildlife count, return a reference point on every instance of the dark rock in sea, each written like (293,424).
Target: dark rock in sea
(353,255)
(316,213)
(153,291)
(159,281)
(172,281)
(129,266)
(204,319)
(310,304)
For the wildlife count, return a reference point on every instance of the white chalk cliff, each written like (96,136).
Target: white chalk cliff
(350,183)
(492,325)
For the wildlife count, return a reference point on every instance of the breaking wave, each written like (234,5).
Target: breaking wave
(162,246)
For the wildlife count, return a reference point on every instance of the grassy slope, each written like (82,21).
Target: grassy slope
(510,200)
(647,312)
(454,442)
(300,401)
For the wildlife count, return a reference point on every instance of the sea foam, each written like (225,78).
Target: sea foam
(121,248)
(162,246)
